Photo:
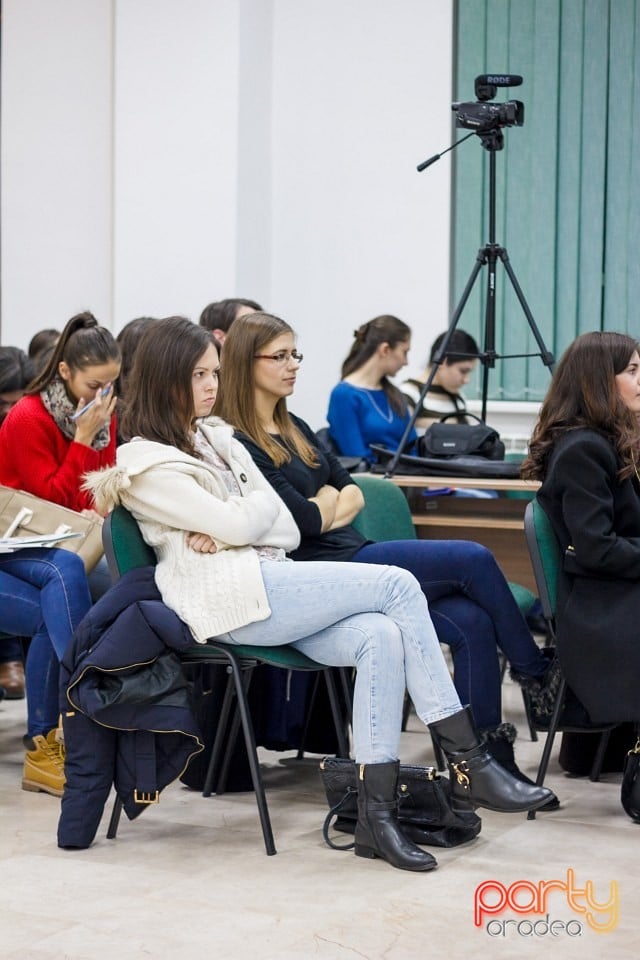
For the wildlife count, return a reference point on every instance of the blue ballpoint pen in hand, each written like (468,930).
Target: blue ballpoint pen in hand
(87,406)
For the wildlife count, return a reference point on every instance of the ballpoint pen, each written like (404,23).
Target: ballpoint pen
(105,391)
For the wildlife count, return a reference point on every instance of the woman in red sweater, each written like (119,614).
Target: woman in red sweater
(48,441)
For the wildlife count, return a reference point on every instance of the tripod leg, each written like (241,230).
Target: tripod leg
(546,355)
(481,259)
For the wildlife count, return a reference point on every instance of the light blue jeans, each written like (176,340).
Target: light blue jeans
(373,618)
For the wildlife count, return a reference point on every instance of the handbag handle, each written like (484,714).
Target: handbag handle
(24,515)
(464,413)
(333,812)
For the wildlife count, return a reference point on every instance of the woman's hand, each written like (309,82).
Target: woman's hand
(96,416)
(326,500)
(349,504)
(201,543)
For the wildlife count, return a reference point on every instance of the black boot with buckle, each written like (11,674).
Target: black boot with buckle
(476,776)
(378,833)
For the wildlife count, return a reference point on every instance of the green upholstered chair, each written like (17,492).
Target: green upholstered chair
(546,559)
(125,549)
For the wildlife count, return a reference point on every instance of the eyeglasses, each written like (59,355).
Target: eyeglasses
(281,357)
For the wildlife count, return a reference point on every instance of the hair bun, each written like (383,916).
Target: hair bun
(361,333)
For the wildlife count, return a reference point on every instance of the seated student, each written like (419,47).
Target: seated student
(48,440)
(365,407)
(217,317)
(444,396)
(43,595)
(584,449)
(128,340)
(469,600)
(221,535)
(41,347)
(16,371)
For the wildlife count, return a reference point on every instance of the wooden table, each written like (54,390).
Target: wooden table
(496,523)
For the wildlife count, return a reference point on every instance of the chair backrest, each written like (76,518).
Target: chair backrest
(546,556)
(123,544)
(386,514)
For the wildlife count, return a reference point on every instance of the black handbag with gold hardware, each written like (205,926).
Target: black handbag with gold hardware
(630,790)
(425,813)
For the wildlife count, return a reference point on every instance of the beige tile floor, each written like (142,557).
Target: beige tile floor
(191,878)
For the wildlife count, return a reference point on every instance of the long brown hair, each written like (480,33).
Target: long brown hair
(82,343)
(367,338)
(159,406)
(583,393)
(248,336)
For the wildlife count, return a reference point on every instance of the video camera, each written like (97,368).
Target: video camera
(483,117)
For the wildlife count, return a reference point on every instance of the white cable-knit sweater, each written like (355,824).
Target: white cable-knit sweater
(171,494)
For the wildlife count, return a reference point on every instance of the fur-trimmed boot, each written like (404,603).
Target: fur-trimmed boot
(541,691)
(475,775)
(499,741)
(378,833)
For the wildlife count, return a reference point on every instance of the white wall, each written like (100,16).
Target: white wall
(57,202)
(361,96)
(157,156)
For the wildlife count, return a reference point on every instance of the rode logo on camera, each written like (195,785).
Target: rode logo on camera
(523,897)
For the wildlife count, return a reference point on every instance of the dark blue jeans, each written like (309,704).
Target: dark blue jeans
(43,595)
(473,611)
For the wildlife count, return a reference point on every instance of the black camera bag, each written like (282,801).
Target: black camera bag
(448,440)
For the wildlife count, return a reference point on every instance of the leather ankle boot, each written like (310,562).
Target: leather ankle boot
(476,776)
(378,833)
(499,741)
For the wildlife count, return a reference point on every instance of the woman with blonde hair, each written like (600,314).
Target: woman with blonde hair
(469,599)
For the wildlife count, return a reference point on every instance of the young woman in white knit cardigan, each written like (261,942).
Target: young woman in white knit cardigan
(221,535)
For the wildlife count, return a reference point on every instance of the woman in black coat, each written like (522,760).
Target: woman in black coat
(585,450)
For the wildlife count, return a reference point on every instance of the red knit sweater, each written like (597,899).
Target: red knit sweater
(37,457)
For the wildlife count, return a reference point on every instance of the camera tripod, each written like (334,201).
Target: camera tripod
(488,256)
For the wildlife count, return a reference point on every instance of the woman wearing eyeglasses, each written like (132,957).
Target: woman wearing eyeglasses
(470,601)
(221,535)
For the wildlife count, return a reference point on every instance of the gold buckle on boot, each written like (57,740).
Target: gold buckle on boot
(143,796)
(461,771)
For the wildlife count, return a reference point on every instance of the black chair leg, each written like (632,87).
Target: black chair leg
(223,723)
(112,829)
(252,753)
(598,760)
(526,700)
(307,719)
(553,726)
(406,710)
(338,719)
(234,730)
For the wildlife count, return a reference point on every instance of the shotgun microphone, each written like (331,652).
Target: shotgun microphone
(499,80)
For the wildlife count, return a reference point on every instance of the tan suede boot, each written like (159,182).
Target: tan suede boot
(44,765)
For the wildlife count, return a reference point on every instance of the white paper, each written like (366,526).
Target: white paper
(10,544)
